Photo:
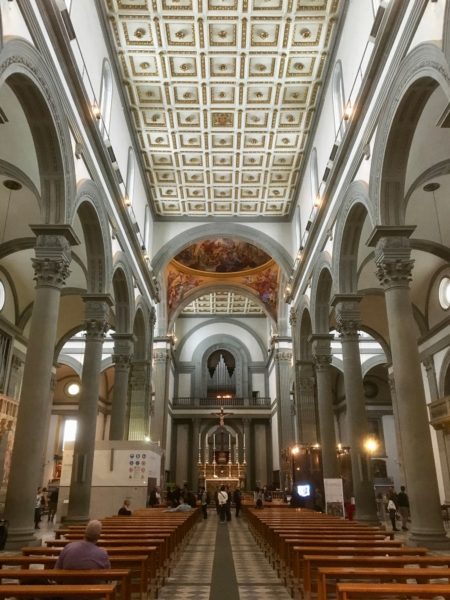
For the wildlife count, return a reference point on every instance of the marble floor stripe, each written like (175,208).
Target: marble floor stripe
(222,562)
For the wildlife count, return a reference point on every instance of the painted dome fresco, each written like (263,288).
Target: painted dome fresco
(222,255)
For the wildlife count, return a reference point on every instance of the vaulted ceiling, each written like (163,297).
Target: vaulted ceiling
(222,95)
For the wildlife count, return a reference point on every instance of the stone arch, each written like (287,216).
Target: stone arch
(243,232)
(71,362)
(232,345)
(446,32)
(26,73)
(421,72)
(373,361)
(228,322)
(444,377)
(355,209)
(90,207)
(201,291)
(305,334)
(321,292)
(122,283)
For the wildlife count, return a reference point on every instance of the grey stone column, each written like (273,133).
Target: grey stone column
(283,368)
(97,323)
(321,344)
(394,267)
(348,323)
(161,365)
(123,349)
(51,269)
(306,402)
(193,475)
(139,400)
(248,453)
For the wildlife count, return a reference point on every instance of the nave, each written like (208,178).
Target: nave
(222,562)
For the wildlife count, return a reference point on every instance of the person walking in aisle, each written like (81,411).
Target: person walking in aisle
(222,498)
(403,506)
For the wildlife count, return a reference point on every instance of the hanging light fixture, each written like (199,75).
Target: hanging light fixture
(432,187)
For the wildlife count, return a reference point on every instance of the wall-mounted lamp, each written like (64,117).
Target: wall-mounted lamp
(127,201)
(96,111)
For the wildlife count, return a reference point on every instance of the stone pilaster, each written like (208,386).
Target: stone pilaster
(193,469)
(139,400)
(321,347)
(283,367)
(97,308)
(394,268)
(305,402)
(348,323)
(123,349)
(247,453)
(161,366)
(51,269)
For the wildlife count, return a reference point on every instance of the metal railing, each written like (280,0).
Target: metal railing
(188,402)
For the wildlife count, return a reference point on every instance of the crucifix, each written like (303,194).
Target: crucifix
(222,416)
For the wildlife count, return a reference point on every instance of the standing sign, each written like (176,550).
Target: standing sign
(334,497)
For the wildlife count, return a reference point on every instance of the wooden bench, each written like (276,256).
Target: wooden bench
(396,574)
(106,591)
(85,577)
(313,562)
(361,591)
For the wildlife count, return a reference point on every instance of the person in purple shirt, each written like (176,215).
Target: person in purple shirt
(85,554)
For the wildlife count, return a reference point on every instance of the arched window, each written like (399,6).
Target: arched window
(314,175)
(147,223)
(106,91)
(338,100)
(131,164)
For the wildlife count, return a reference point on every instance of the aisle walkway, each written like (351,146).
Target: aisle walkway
(222,562)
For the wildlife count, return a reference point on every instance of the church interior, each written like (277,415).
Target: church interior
(224,252)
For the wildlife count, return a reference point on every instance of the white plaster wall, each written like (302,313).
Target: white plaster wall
(272,382)
(184,326)
(258,383)
(430,28)
(184,385)
(12,21)
(210,329)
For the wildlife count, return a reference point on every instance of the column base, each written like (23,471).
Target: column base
(75,520)
(18,537)
(435,540)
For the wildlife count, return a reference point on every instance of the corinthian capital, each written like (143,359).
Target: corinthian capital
(97,308)
(348,318)
(392,255)
(53,254)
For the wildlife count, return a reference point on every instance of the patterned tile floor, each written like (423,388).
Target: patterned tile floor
(194,573)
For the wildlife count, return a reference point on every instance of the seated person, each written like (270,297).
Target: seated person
(124,509)
(183,507)
(85,554)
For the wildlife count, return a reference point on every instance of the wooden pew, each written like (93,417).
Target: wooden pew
(106,591)
(361,591)
(299,553)
(396,574)
(313,562)
(85,577)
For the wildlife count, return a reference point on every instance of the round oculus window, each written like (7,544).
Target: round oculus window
(2,295)
(73,389)
(444,293)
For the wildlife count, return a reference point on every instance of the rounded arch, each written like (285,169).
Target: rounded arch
(25,72)
(208,289)
(140,335)
(305,334)
(90,207)
(122,283)
(228,322)
(372,362)
(203,232)
(421,72)
(69,361)
(444,376)
(321,286)
(355,209)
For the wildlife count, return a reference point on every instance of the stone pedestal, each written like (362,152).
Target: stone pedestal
(139,426)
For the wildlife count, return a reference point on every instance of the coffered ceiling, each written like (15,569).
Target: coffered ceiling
(222,95)
(221,303)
